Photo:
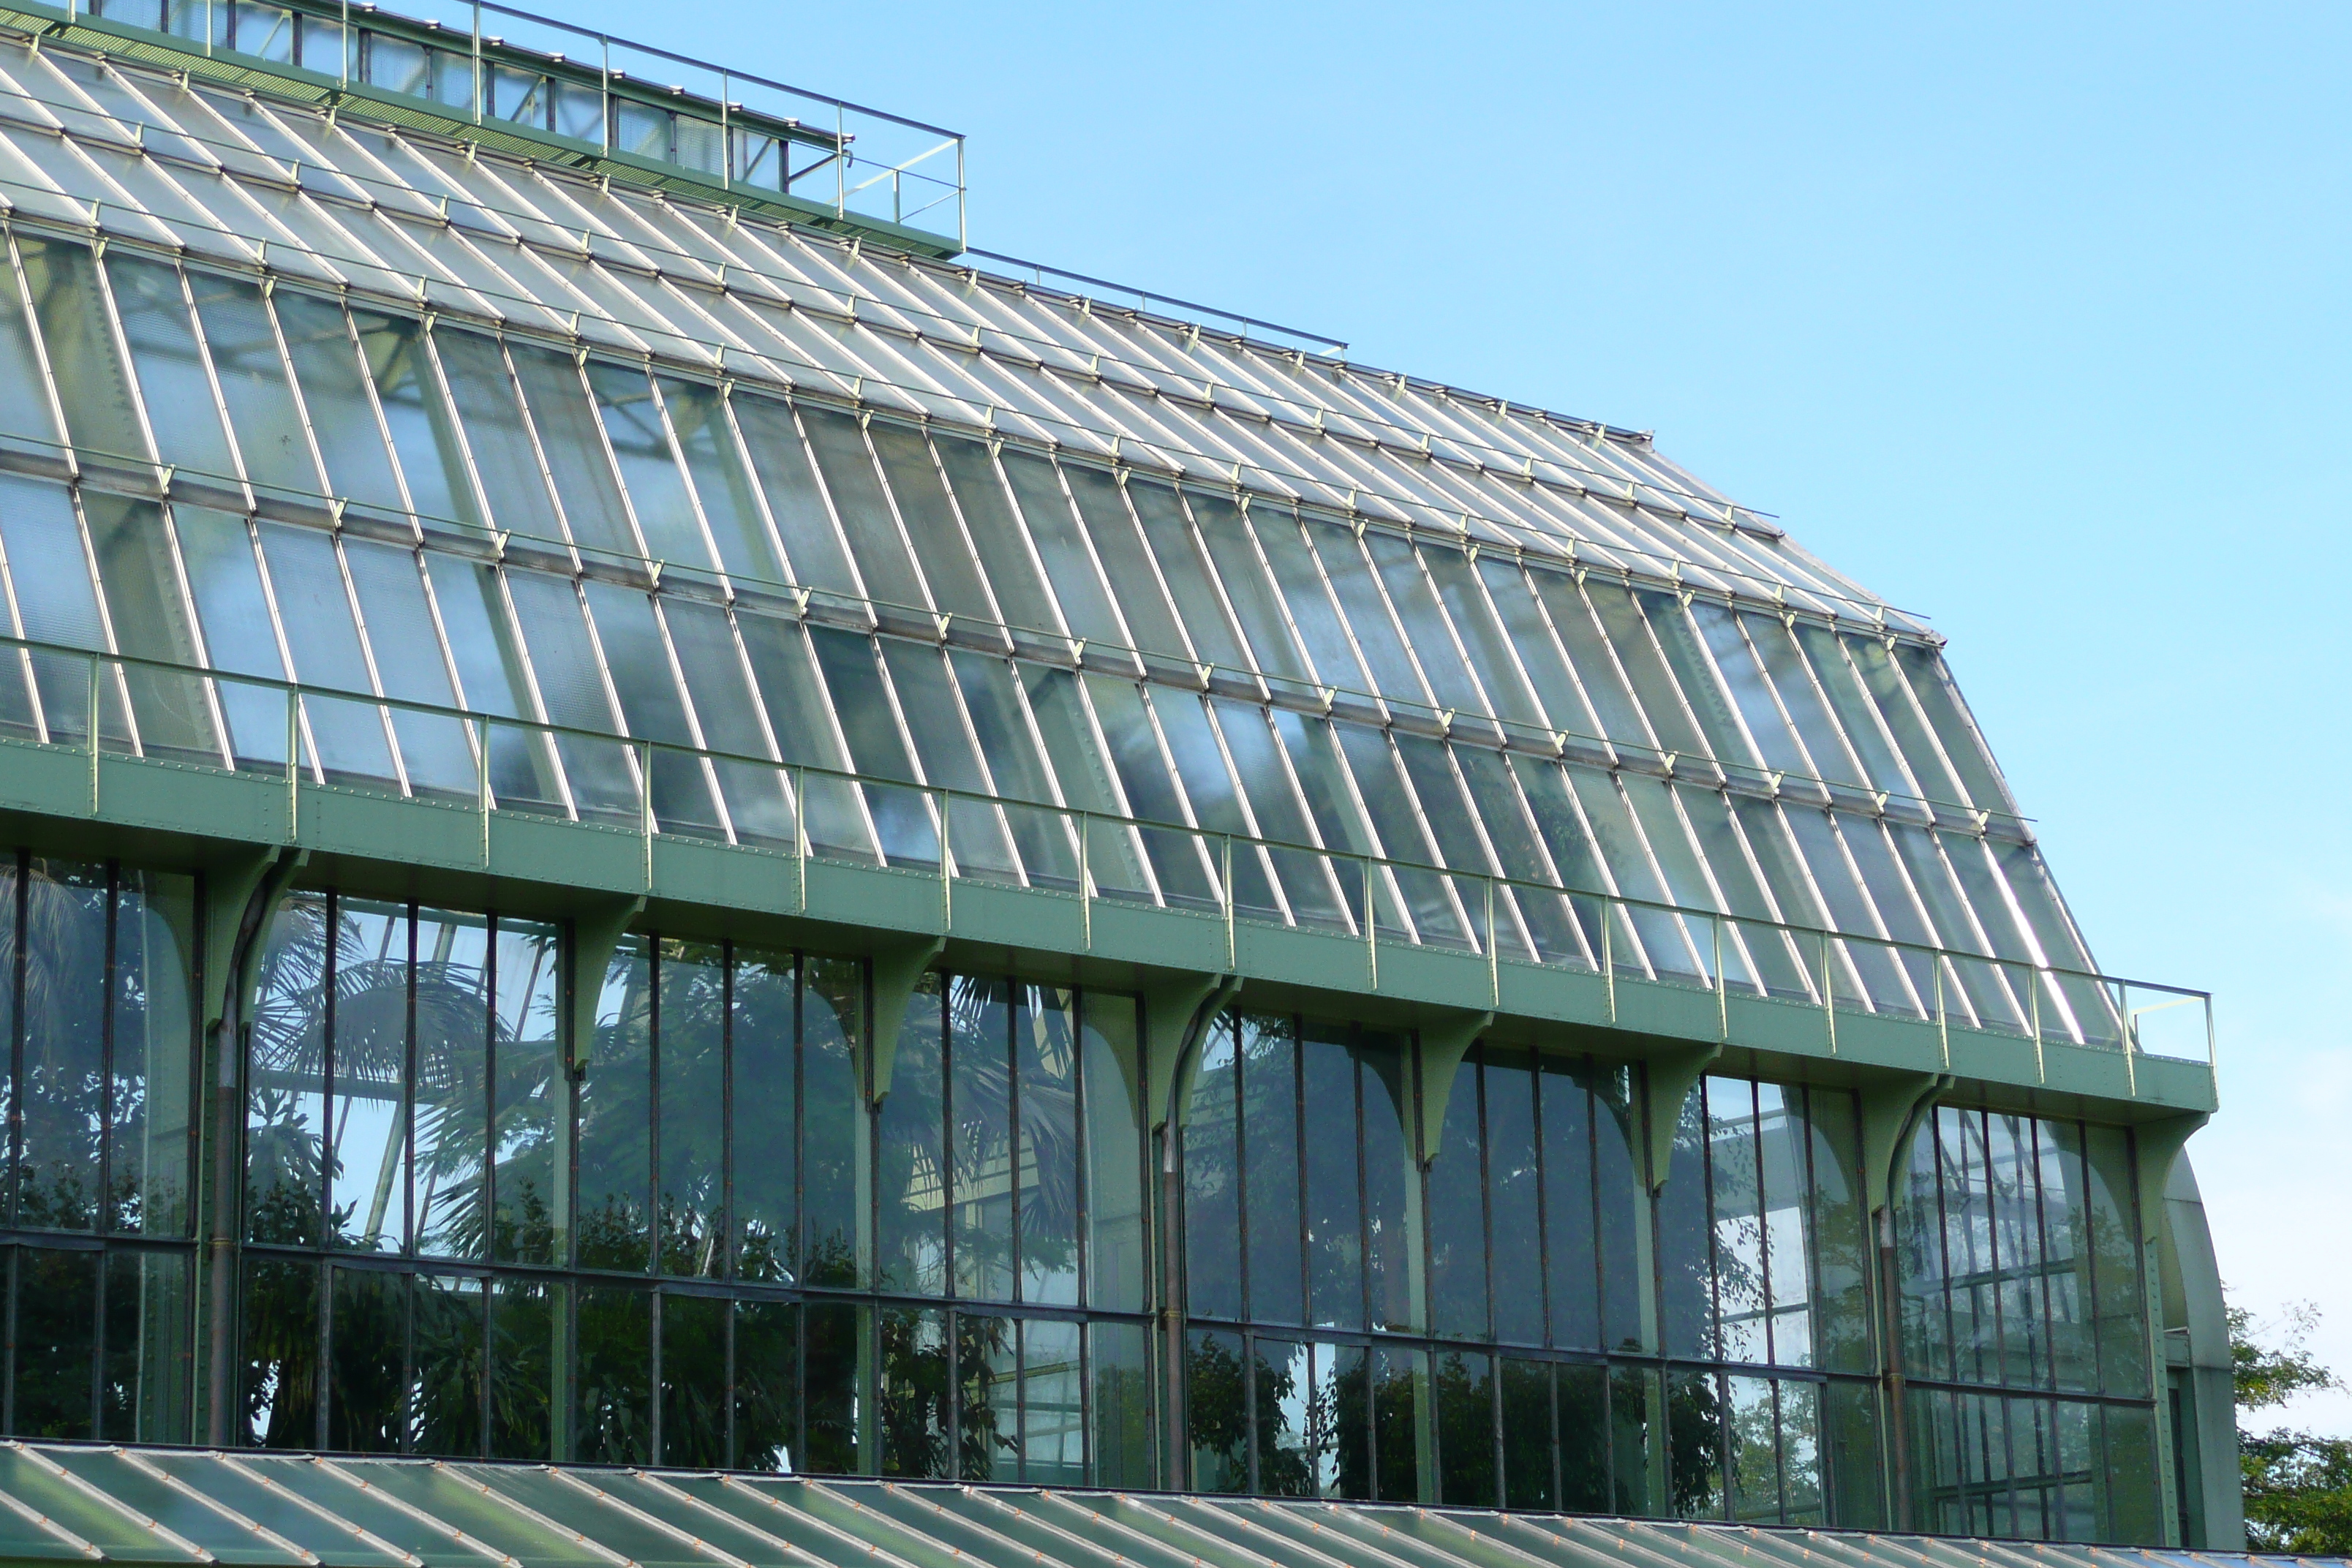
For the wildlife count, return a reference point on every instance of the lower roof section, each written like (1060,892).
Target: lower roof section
(74,1502)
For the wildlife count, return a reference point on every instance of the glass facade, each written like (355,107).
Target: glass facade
(721,1231)
(346,467)
(790,586)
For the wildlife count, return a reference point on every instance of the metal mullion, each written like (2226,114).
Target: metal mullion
(1330,858)
(1497,872)
(1250,825)
(1043,578)
(1559,648)
(430,359)
(642,767)
(742,449)
(1728,917)
(686,475)
(1673,679)
(1427,695)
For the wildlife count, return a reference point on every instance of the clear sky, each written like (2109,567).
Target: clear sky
(2033,319)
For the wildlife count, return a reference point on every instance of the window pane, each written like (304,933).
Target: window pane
(1282,1386)
(173,383)
(446,1396)
(367,1186)
(153,1024)
(279,1317)
(285,1062)
(913,1414)
(1270,1118)
(1212,1183)
(1466,1429)
(836,1121)
(1391,1145)
(1515,1216)
(1217,1410)
(367,1375)
(101,409)
(694,1378)
(527,1092)
(1457,1216)
(762,1100)
(864,508)
(326,365)
(425,431)
(940,547)
(435,751)
(512,479)
(1118,1239)
(614,1420)
(1335,1216)
(981,1131)
(987,1370)
(572,446)
(767,1384)
(816,555)
(1119,1362)
(640,436)
(1045,1079)
(723,486)
(614,1095)
(1571,1256)
(150,1372)
(911,1245)
(839,1359)
(270,426)
(452,1108)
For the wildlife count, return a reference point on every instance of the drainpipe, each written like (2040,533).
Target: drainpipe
(228,1036)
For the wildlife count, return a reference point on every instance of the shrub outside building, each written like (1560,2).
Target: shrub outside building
(663,824)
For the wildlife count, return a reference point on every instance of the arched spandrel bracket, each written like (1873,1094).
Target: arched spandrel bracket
(2156,1148)
(241,893)
(1667,1079)
(596,932)
(1443,1044)
(897,969)
(1176,1013)
(1890,1113)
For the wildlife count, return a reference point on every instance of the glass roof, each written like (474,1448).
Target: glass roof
(67,1503)
(388,415)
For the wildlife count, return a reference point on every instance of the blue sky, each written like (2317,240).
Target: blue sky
(2032,318)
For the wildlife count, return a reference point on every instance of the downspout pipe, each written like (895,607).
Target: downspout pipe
(229,1033)
(1172,1253)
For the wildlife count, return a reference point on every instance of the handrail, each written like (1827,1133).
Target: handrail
(2111,995)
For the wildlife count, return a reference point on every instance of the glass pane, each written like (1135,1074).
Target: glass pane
(1118,1363)
(1062,550)
(367,1167)
(1269,1121)
(913,1413)
(152,621)
(767,1384)
(1118,1238)
(988,1368)
(815,556)
(722,485)
(640,436)
(146,1396)
(1457,1213)
(494,678)
(1333,1200)
(367,1377)
(694,1393)
(572,443)
(306,575)
(61,1099)
(940,547)
(25,415)
(1217,1410)
(527,1092)
(270,431)
(613,1417)
(101,407)
(507,460)
(911,1240)
(983,1163)
(175,384)
(1046,1162)
(416,410)
(864,508)
(1466,1429)
(615,1127)
(1212,1191)
(760,1102)
(836,1124)
(56,604)
(279,1318)
(334,387)
(438,753)
(451,1107)
(653,708)
(839,1359)
(446,1386)
(1005,553)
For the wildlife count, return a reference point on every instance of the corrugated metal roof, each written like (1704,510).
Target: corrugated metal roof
(68,1503)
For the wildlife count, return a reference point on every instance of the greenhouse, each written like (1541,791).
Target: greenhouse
(686,860)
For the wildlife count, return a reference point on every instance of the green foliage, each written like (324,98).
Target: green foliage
(2298,1485)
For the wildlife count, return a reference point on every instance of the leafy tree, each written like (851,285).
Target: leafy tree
(2298,1485)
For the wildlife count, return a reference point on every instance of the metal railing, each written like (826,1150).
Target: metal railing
(501,67)
(308,738)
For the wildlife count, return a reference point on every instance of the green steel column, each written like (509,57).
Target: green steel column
(1890,1113)
(1176,1013)
(2156,1148)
